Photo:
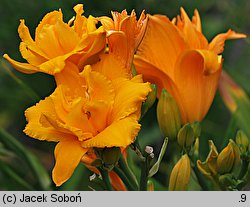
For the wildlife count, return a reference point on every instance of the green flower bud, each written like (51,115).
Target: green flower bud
(180,175)
(227,180)
(228,158)
(197,128)
(150,100)
(168,115)
(186,136)
(110,156)
(242,141)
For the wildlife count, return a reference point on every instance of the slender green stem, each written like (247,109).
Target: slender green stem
(202,182)
(144,174)
(128,172)
(124,178)
(200,179)
(105,178)
(244,168)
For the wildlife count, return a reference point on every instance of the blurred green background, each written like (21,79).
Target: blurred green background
(19,91)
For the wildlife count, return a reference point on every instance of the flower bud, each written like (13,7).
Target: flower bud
(168,115)
(150,185)
(242,141)
(110,156)
(227,180)
(196,128)
(180,175)
(150,100)
(185,136)
(228,158)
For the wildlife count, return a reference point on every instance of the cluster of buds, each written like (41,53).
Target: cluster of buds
(227,168)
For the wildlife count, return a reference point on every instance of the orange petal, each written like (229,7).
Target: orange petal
(70,77)
(129,96)
(39,126)
(24,34)
(49,19)
(193,36)
(154,75)
(196,20)
(22,67)
(196,77)
(217,44)
(90,46)
(161,54)
(110,67)
(80,20)
(31,57)
(98,86)
(68,154)
(119,134)
(116,182)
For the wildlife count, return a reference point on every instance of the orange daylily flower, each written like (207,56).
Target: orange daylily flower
(124,34)
(176,56)
(89,110)
(56,41)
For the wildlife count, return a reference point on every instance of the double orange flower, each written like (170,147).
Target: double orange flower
(176,56)
(97,102)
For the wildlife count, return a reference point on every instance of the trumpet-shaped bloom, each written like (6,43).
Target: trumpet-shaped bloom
(176,56)
(124,34)
(56,41)
(88,110)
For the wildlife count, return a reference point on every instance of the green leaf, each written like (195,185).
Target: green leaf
(156,166)
(39,171)
(9,172)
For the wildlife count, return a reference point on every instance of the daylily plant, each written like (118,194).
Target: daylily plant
(94,112)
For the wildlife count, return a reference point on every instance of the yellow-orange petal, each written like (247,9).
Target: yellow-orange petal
(54,65)
(39,126)
(80,20)
(22,67)
(89,47)
(161,54)
(218,42)
(119,134)
(56,40)
(24,34)
(110,67)
(107,22)
(98,86)
(68,154)
(70,77)
(31,57)
(196,77)
(49,19)
(129,96)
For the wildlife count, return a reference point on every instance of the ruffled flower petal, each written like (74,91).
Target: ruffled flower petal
(129,96)
(119,134)
(40,125)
